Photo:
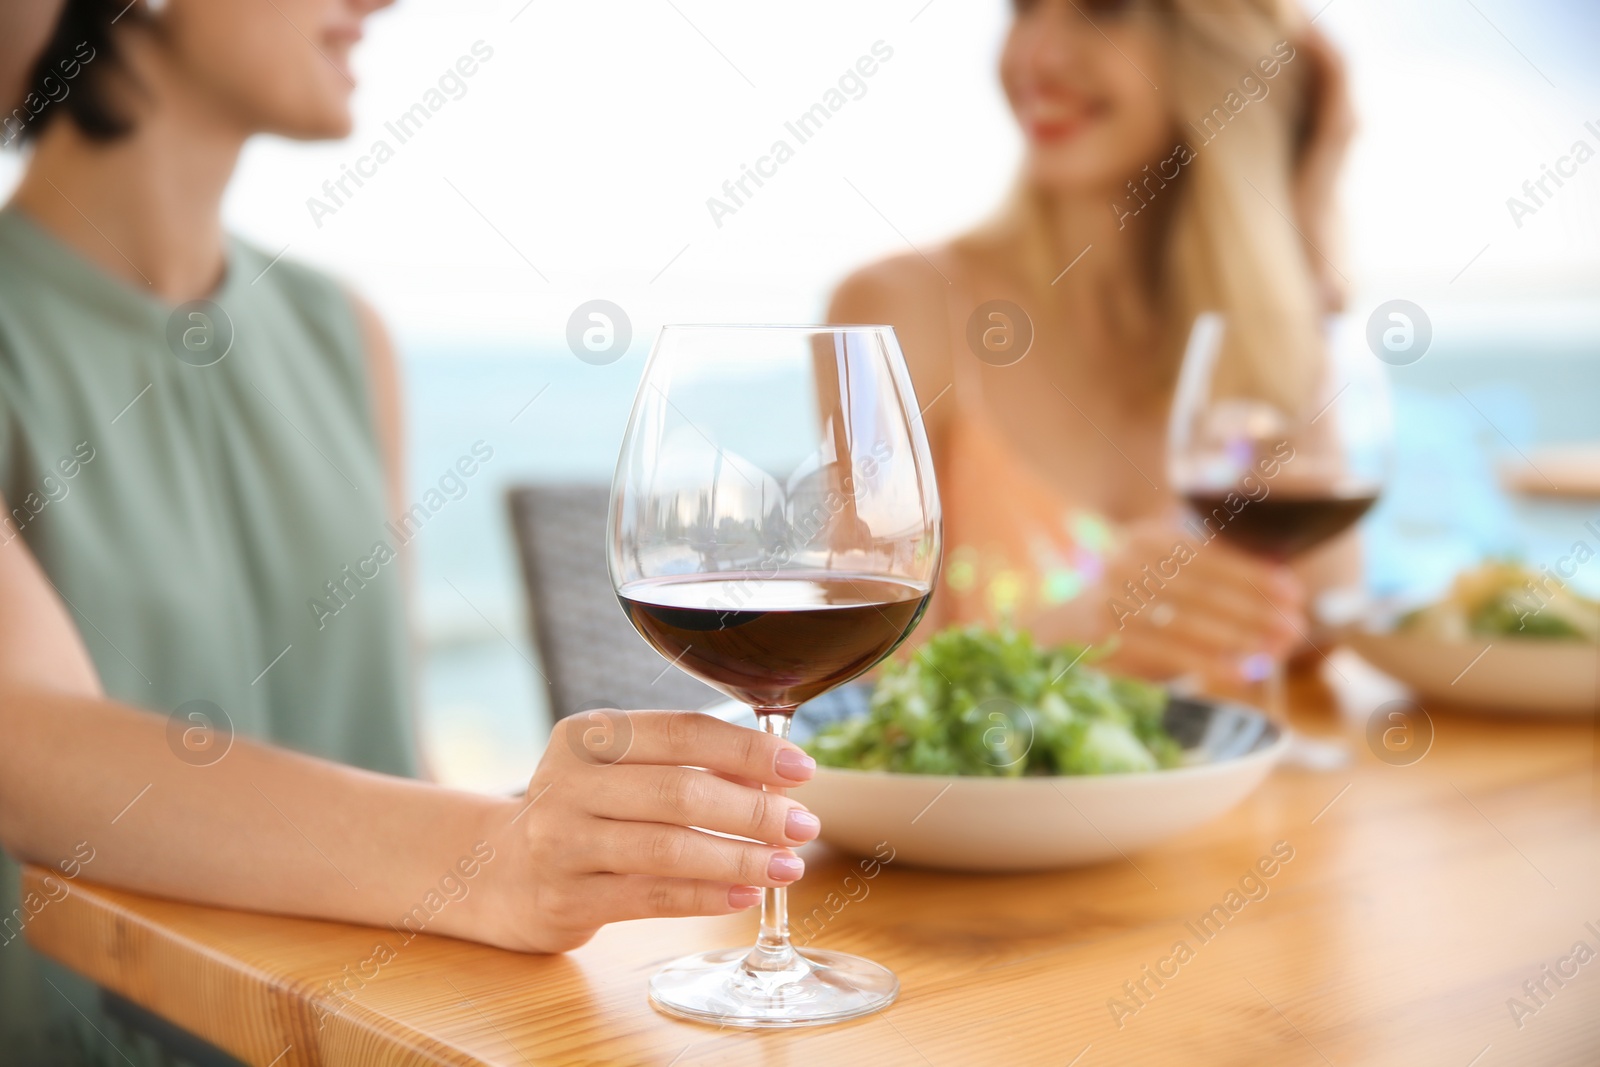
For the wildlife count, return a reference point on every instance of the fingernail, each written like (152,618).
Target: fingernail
(744,896)
(801,825)
(1256,668)
(785,868)
(796,765)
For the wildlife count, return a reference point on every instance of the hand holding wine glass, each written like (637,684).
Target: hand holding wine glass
(1211,615)
(613,817)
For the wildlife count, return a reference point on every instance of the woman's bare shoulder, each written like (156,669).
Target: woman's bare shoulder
(911,293)
(908,281)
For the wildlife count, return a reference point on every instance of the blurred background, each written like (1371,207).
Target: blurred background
(577,162)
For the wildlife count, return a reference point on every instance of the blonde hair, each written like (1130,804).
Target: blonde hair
(1228,243)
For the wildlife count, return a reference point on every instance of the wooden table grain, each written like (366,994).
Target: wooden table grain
(1418,902)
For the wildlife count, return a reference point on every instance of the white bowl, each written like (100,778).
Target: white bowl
(1516,676)
(965,823)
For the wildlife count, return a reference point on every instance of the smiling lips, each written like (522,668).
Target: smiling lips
(1052,116)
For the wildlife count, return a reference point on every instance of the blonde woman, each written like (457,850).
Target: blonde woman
(1180,157)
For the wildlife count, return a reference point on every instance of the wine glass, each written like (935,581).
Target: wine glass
(774,532)
(1276,450)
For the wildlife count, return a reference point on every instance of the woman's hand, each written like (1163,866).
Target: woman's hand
(1197,609)
(1330,125)
(607,829)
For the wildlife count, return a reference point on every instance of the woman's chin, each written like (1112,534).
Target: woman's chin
(1099,158)
(330,124)
(1063,174)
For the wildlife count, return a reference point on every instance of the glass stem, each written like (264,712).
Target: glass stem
(1277,692)
(773,952)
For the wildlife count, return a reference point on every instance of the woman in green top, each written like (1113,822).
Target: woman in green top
(196,440)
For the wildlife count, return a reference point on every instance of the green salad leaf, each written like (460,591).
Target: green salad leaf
(986,702)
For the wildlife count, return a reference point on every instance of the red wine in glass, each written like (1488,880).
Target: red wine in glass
(1280,526)
(774,641)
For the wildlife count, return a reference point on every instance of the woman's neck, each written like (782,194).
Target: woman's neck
(1106,289)
(1111,282)
(146,207)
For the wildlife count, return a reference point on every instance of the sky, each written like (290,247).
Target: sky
(577,160)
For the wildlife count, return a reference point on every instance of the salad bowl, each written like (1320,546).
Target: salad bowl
(1505,640)
(1034,822)
(1511,676)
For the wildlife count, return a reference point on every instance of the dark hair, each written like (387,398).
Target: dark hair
(74,75)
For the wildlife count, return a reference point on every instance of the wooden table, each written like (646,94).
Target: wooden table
(1418,901)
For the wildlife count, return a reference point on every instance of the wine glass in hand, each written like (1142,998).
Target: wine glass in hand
(774,532)
(1276,452)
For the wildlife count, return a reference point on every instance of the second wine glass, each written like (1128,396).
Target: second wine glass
(1277,452)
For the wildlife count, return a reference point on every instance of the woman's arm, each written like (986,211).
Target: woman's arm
(262,828)
(604,833)
(383,377)
(388,425)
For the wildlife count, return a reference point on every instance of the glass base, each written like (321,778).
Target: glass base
(815,989)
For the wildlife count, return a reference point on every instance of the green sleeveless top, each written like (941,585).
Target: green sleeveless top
(204,489)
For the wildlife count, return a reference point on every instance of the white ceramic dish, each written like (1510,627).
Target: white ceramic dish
(1516,676)
(1035,823)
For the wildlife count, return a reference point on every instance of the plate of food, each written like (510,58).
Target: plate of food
(1504,639)
(986,752)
